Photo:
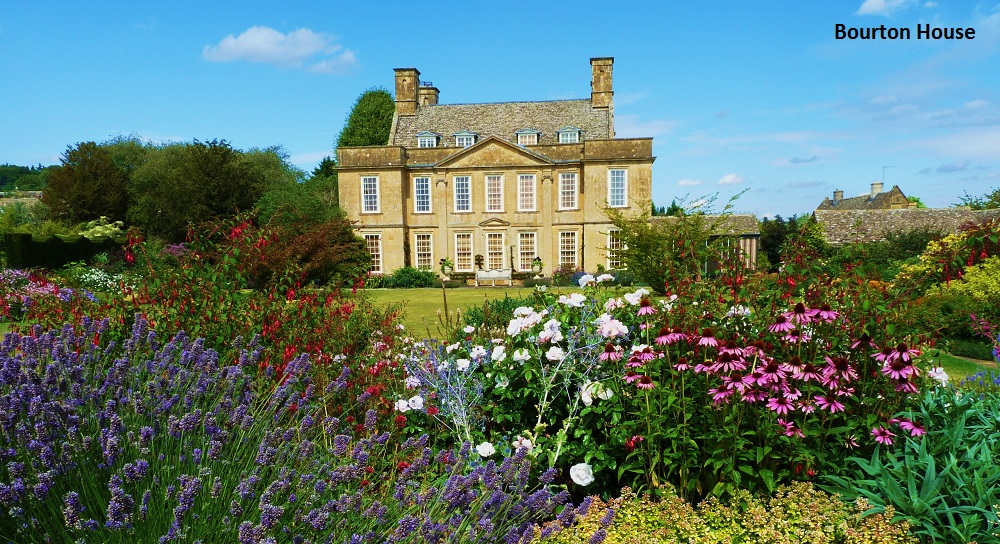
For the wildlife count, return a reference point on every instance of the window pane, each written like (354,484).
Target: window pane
(422,194)
(369,194)
(463,194)
(463,252)
(494,250)
(567,191)
(374,244)
(567,250)
(494,193)
(424,253)
(615,246)
(526,193)
(616,187)
(526,249)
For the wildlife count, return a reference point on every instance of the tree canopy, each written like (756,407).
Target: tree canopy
(369,121)
(989,201)
(87,185)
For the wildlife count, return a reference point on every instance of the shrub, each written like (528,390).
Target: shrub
(532,282)
(947,483)
(491,318)
(796,513)
(408,277)
(973,349)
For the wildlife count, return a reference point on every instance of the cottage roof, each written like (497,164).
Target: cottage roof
(854,226)
(863,202)
(504,119)
(726,225)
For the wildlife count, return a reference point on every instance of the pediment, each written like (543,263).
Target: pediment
(494,222)
(494,153)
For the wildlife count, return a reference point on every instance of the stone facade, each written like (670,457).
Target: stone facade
(894,199)
(487,195)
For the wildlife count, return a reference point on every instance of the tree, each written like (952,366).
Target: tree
(369,121)
(88,184)
(182,184)
(916,199)
(772,238)
(989,201)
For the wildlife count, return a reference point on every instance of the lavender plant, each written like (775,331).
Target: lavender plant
(157,442)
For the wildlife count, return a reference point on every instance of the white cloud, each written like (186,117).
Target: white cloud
(883,7)
(264,44)
(689,182)
(883,99)
(629,126)
(976,104)
(731,179)
(309,160)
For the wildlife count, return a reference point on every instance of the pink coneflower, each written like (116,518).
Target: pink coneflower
(645,382)
(662,336)
(755,349)
(830,404)
(796,336)
(906,386)
(790,429)
(800,314)
(631,376)
(806,406)
(864,341)
(883,435)
(634,361)
(631,443)
(915,428)
(645,308)
(721,394)
(730,348)
(906,354)
(772,372)
(737,381)
(754,395)
(780,405)
(806,372)
(610,353)
(643,352)
(708,338)
(898,369)
(827,314)
(676,335)
(682,364)
(886,354)
(838,369)
(793,394)
(781,324)
(727,363)
(850,442)
(845,392)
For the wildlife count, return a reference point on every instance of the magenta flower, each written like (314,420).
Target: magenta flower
(645,308)
(645,382)
(838,369)
(806,372)
(610,353)
(883,435)
(899,369)
(915,428)
(830,404)
(780,405)
(721,394)
(730,348)
(781,324)
(864,341)
(886,354)
(772,372)
(682,364)
(727,363)
(631,376)
(676,336)
(825,313)
(806,406)
(796,336)
(906,386)
(790,429)
(851,442)
(663,336)
(737,381)
(800,314)
(708,338)
(906,354)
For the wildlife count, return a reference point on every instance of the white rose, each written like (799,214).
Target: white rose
(521,355)
(582,474)
(586,280)
(499,354)
(555,353)
(522,443)
(462,364)
(416,403)
(485,449)
(402,405)
(469,329)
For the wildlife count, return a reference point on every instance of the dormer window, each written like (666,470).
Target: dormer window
(569,135)
(465,138)
(527,136)
(428,139)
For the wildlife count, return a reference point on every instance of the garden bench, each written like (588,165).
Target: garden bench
(494,276)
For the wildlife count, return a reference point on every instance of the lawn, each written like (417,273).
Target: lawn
(959,367)
(421,306)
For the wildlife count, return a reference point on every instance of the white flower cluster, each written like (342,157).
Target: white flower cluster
(609,327)
(635,298)
(939,375)
(414,403)
(575,300)
(524,319)
(592,390)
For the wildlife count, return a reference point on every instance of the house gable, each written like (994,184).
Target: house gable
(494,152)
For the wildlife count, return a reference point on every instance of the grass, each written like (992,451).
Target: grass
(421,306)
(958,367)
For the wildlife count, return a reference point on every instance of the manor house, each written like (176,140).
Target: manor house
(510,181)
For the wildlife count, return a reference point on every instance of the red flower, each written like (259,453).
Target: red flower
(400,420)
(402,465)
(432,410)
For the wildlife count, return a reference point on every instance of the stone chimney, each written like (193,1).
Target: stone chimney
(600,82)
(876,188)
(427,94)
(407,82)
(838,195)
(911,205)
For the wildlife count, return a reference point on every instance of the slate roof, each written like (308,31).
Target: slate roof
(863,202)
(854,226)
(503,119)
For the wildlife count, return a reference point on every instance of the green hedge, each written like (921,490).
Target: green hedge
(52,252)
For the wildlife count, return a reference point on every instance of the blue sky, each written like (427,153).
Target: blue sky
(754,96)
